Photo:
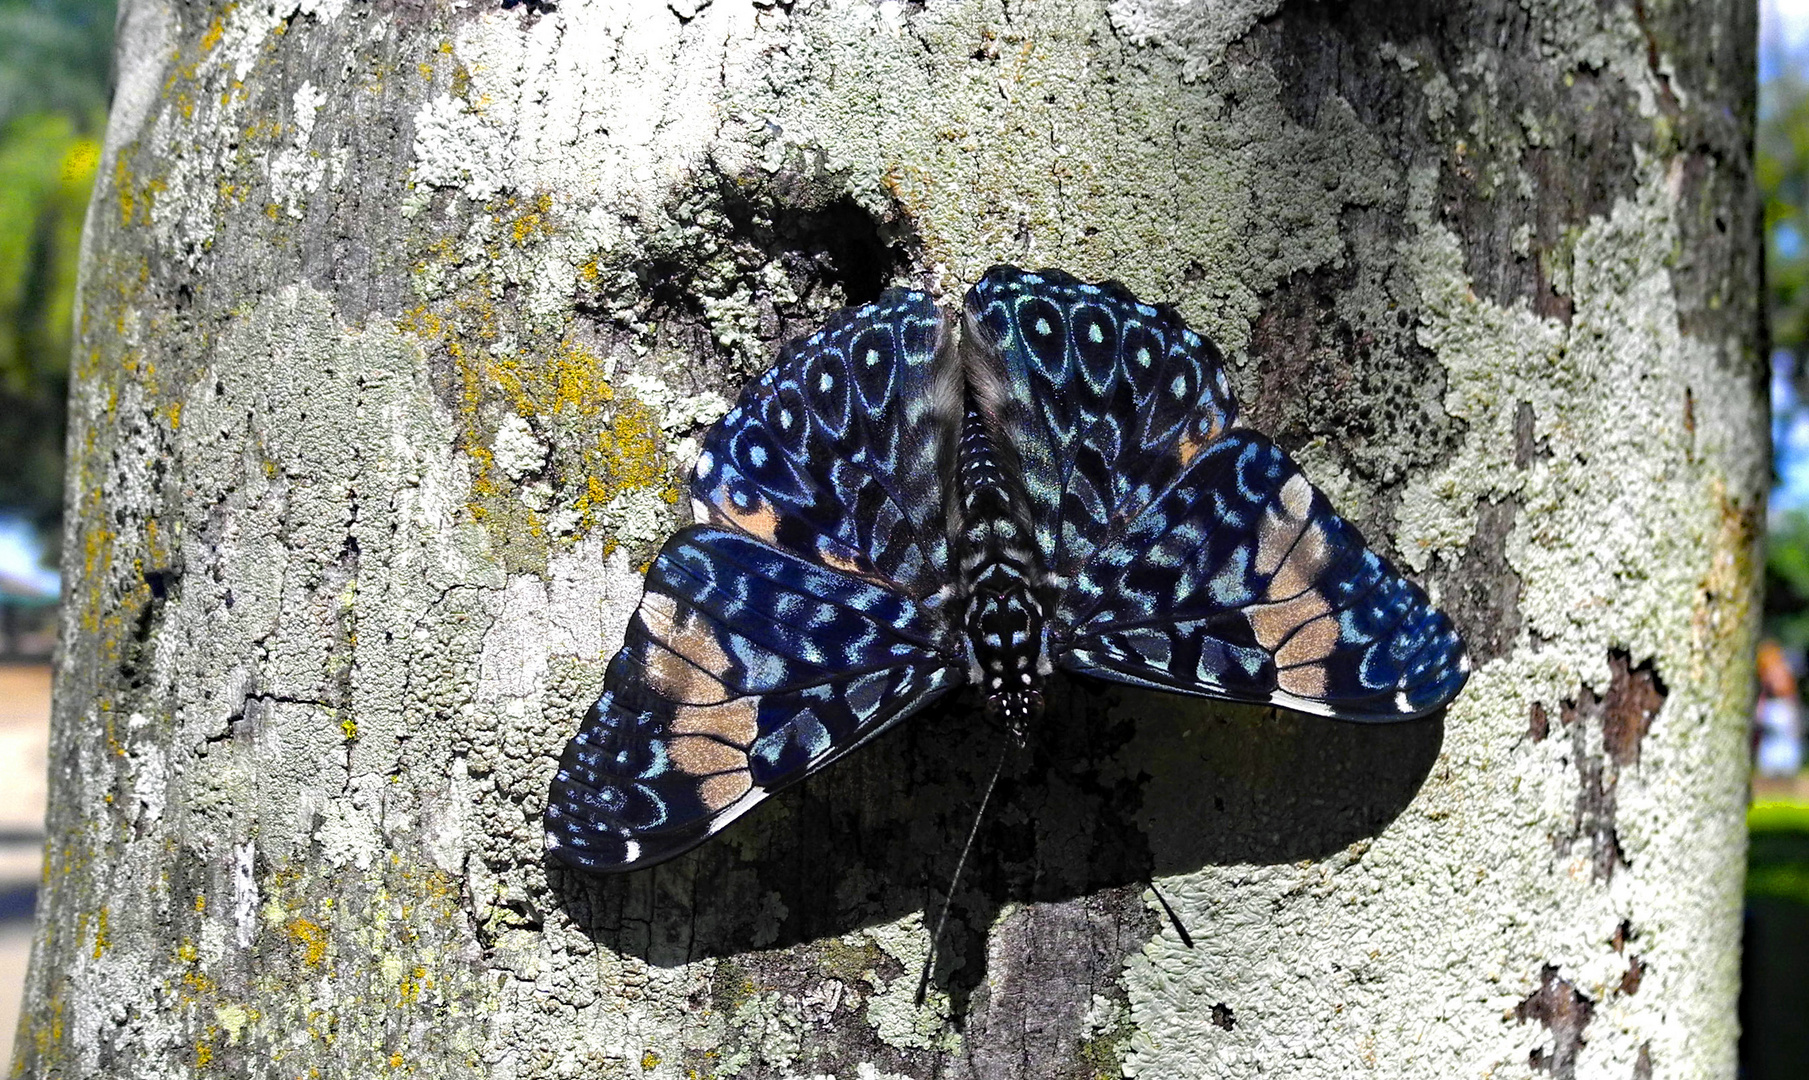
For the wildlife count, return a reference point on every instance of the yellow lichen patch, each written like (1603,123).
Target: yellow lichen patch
(102,940)
(532,224)
(216,30)
(630,448)
(312,939)
(408,991)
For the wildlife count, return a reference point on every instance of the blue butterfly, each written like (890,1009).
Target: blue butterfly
(905,505)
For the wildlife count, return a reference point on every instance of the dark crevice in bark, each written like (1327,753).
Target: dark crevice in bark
(1565,1012)
(1371,392)
(1623,715)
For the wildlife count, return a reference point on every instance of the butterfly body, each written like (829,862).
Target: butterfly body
(907,503)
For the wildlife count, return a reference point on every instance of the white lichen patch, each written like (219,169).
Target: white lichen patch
(518,450)
(1197,32)
(296,171)
(892,1007)
(678,411)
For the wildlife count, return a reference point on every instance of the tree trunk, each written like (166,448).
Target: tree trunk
(398,326)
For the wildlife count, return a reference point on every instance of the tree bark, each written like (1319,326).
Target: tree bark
(398,326)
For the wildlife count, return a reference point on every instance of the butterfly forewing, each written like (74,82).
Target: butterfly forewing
(833,454)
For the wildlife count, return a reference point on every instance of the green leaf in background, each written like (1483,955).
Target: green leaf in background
(55,79)
(47,167)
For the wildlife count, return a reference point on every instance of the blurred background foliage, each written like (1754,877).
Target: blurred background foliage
(55,80)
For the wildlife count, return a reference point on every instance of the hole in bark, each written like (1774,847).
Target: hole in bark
(1223,1017)
(767,258)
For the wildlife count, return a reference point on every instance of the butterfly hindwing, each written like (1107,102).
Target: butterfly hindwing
(744,669)
(1240,582)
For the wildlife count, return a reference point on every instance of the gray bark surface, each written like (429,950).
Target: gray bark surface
(398,326)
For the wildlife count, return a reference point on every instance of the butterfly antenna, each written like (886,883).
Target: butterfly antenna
(923,980)
(1186,938)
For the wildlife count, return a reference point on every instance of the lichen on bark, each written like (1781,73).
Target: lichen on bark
(398,327)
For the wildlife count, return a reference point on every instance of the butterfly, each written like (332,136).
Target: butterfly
(906,504)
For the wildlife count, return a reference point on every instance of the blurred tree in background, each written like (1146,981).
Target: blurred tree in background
(55,78)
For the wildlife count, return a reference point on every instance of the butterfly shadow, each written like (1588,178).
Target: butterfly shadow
(1115,788)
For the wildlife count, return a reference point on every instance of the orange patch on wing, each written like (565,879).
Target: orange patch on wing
(684,661)
(1272,623)
(1302,566)
(1275,536)
(1189,448)
(832,555)
(657,612)
(1297,496)
(737,720)
(1306,682)
(672,678)
(759,521)
(701,755)
(1310,644)
(719,791)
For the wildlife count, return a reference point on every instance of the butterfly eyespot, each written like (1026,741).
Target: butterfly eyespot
(825,383)
(1143,358)
(1095,334)
(1179,387)
(757,455)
